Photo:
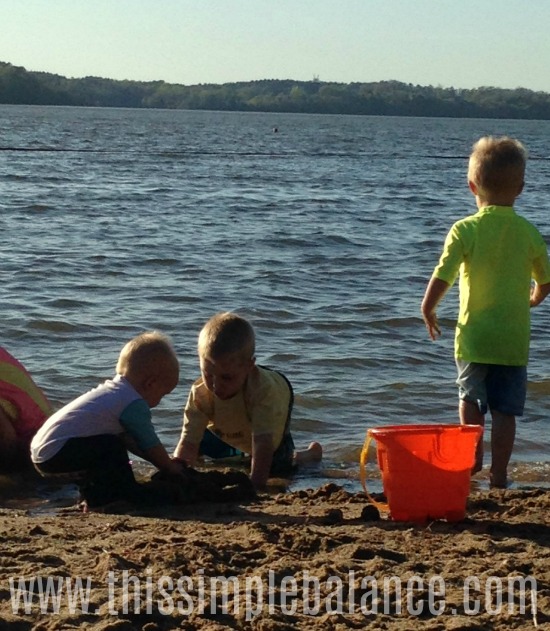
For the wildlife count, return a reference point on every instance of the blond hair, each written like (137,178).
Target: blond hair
(497,164)
(227,334)
(149,353)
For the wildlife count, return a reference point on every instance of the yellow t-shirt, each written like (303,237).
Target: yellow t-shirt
(261,407)
(497,253)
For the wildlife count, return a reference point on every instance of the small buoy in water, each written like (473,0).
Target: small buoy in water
(275,130)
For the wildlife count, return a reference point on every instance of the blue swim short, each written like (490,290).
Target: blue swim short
(214,447)
(494,387)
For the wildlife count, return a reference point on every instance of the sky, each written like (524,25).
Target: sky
(448,43)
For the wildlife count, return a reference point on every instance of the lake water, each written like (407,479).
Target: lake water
(322,230)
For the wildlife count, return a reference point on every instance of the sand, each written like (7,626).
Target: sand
(312,559)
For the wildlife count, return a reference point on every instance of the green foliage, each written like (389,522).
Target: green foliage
(389,98)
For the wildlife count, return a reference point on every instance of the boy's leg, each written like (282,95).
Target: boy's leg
(110,474)
(507,391)
(283,457)
(104,459)
(472,393)
(503,433)
(470,414)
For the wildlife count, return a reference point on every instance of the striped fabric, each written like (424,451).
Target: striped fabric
(20,398)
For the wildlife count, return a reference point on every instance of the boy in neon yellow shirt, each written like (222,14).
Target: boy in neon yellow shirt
(497,254)
(239,407)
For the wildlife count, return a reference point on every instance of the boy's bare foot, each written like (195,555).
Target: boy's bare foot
(314,453)
(498,481)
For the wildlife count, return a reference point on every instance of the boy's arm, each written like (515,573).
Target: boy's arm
(187,451)
(262,457)
(538,294)
(195,421)
(141,439)
(435,291)
(158,456)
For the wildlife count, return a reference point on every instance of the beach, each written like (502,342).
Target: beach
(292,230)
(297,560)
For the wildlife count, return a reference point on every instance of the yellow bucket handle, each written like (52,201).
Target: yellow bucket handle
(363,474)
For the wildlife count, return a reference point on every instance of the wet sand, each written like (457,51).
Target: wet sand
(307,559)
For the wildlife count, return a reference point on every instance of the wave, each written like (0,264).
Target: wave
(54,326)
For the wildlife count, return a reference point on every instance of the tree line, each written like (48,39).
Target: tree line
(385,98)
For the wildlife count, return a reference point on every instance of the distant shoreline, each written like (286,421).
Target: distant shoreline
(383,98)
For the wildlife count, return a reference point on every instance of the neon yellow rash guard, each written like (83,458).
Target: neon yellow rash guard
(497,253)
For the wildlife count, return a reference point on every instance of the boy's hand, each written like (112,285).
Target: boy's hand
(158,456)
(186,452)
(538,294)
(432,325)
(262,457)
(435,291)
(175,467)
(179,461)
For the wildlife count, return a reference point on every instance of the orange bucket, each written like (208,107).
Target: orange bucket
(425,469)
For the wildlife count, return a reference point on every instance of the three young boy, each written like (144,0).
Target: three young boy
(237,406)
